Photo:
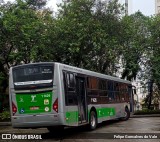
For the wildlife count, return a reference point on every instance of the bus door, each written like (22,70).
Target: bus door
(131,97)
(81,97)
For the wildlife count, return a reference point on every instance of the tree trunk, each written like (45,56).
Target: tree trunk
(150,94)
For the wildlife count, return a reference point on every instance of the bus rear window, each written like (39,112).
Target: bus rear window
(33,74)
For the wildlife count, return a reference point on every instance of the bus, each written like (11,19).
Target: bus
(55,95)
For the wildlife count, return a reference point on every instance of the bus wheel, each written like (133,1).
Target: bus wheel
(127,114)
(55,129)
(92,120)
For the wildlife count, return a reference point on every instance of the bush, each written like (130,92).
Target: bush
(5,115)
(146,111)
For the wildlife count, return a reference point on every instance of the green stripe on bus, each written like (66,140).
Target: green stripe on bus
(29,103)
(72,117)
(105,112)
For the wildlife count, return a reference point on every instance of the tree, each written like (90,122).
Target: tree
(134,42)
(153,66)
(87,35)
(36,4)
(154,53)
(23,35)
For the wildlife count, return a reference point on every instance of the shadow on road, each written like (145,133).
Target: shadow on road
(76,132)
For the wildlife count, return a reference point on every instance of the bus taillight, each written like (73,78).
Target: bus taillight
(55,105)
(14,108)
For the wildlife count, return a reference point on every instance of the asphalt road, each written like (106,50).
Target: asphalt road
(146,129)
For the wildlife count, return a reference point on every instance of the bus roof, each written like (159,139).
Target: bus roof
(17,66)
(92,73)
(79,70)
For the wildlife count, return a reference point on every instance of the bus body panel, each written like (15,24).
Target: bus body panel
(67,115)
(37,119)
(109,111)
(71,115)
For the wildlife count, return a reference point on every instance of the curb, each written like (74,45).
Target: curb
(140,116)
(5,123)
(132,116)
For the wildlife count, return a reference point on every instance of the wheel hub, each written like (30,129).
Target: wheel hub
(93,121)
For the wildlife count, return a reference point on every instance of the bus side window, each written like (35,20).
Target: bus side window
(69,86)
(126,93)
(92,86)
(111,91)
(120,91)
(70,82)
(103,87)
(117,97)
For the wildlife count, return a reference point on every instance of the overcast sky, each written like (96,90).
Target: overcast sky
(147,7)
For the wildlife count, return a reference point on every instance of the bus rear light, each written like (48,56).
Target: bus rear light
(14,108)
(55,105)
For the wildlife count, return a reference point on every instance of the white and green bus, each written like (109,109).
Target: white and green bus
(51,94)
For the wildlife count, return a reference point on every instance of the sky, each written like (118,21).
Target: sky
(147,7)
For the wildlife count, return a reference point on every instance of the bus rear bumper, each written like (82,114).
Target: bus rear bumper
(37,121)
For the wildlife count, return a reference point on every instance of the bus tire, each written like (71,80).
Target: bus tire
(55,129)
(92,120)
(127,115)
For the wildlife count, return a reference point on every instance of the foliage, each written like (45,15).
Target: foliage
(23,35)
(36,4)
(155,96)
(5,115)
(85,33)
(135,42)
(152,72)
(155,50)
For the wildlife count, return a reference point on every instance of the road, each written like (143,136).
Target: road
(105,132)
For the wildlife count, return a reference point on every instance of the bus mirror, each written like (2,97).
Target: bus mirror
(134,90)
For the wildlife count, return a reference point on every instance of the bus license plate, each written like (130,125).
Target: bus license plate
(34,108)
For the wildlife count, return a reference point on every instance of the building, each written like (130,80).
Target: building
(126,5)
(157,6)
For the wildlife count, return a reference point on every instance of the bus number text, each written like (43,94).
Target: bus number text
(45,96)
(94,100)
